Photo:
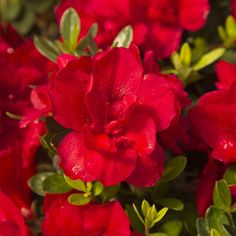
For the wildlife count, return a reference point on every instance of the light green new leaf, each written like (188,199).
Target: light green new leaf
(76,184)
(78,199)
(221,195)
(70,28)
(124,37)
(208,58)
(172,203)
(46,48)
(185,55)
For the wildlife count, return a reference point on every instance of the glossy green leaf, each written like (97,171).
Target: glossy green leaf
(221,33)
(135,222)
(145,207)
(176,61)
(97,188)
(76,184)
(46,48)
(9,9)
(93,30)
(230,175)
(172,227)
(173,168)
(185,55)
(221,195)
(230,26)
(124,37)
(172,203)
(160,214)
(78,199)
(36,182)
(216,218)
(56,184)
(202,227)
(208,58)
(70,28)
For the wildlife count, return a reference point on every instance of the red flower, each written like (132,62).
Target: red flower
(115,113)
(158,25)
(20,66)
(62,218)
(11,220)
(213,119)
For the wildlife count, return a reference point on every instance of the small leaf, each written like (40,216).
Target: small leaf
(230,26)
(221,195)
(208,58)
(185,55)
(202,228)
(214,232)
(93,30)
(70,28)
(145,207)
(124,37)
(221,33)
(78,199)
(159,216)
(135,222)
(36,182)
(176,61)
(76,184)
(46,48)
(216,218)
(172,203)
(174,168)
(230,175)
(158,234)
(172,227)
(97,188)
(55,184)
(10,9)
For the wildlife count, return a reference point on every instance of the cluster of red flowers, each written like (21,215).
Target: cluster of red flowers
(119,114)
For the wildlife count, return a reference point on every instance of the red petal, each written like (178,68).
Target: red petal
(80,162)
(67,92)
(193,14)
(158,99)
(148,169)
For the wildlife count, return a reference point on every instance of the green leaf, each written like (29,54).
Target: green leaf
(36,182)
(109,192)
(176,61)
(158,234)
(70,28)
(230,175)
(190,214)
(160,214)
(124,37)
(138,214)
(185,55)
(172,227)
(25,23)
(208,58)
(76,184)
(202,227)
(221,33)
(172,203)
(93,30)
(135,222)
(216,218)
(173,168)
(230,26)
(214,232)
(97,188)
(46,48)
(145,207)
(221,195)
(151,216)
(78,199)
(55,184)
(9,9)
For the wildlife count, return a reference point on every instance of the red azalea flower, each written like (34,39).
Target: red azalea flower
(115,113)
(212,121)
(233,8)
(11,220)
(62,218)
(157,24)
(20,67)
